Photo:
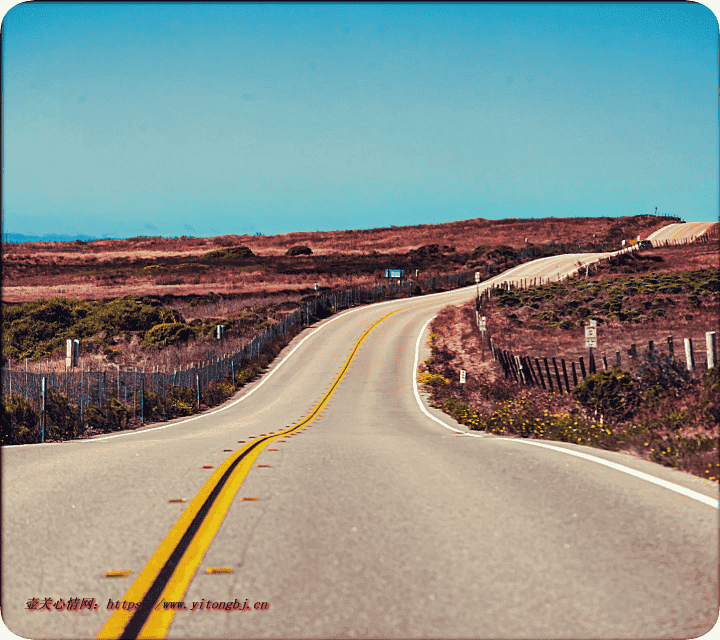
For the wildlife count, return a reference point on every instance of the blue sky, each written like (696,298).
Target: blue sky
(209,119)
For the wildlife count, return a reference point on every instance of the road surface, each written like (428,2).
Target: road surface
(680,232)
(376,516)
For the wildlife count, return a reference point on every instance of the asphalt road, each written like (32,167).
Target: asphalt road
(680,232)
(372,520)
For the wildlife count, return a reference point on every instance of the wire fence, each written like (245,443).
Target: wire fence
(86,388)
(550,374)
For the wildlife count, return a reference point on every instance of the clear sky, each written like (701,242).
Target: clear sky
(208,119)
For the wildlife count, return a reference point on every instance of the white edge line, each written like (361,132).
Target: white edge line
(619,467)
(415,386)
(613,465)
(487,283)
(266,377)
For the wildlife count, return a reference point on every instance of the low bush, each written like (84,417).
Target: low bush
(114,416)
(660,374)
(611,394)
(20,421)
(299,250)
(432,379)
(230,253)
(62,419)
(246,374)
(217,393)
(150,405)
(166,334)
(180,401)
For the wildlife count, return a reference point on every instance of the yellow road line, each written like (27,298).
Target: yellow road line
(169,571)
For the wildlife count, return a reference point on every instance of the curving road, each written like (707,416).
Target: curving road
(376,516)
(680,232)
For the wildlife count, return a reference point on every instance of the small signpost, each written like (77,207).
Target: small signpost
(591,340)
(462,378)
(72,353)
(591,335)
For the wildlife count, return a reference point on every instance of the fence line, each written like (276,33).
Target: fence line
(88,388)
(521,369)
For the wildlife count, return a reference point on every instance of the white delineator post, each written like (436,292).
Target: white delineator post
(711,352)
(689,357)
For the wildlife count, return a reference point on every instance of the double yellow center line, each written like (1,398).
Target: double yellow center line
(169,571)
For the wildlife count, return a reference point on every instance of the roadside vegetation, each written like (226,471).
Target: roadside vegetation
(132,329)
(651,406)
(174,293)
(277,266)
(21,421)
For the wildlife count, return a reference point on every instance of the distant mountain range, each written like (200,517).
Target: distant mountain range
(51,237)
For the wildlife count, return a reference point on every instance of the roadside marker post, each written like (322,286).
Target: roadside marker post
(42,434)
(591,341)
(463,375)
(711,351)
(689,356)
(482,325)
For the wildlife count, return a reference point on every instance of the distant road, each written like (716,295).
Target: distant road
(381,517)
(680,231)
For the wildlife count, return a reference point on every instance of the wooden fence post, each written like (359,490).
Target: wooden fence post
(539,369)
(575,378)
(513,370)
(582,368)
(671,347)
(547,370)
(565,375)
(557,375)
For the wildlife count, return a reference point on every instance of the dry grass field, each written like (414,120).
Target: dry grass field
(108,269)
(641,297)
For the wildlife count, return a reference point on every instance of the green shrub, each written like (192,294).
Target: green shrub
(20,421)
(117,416)
(299,250)
(660,373)
(180,401)
(163,335)
(94,418)
(230,253)
(151,404)
(710,399)
(62,419)
(432,379)
(39,328)
(216,393)
(246,374)
(611,393)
